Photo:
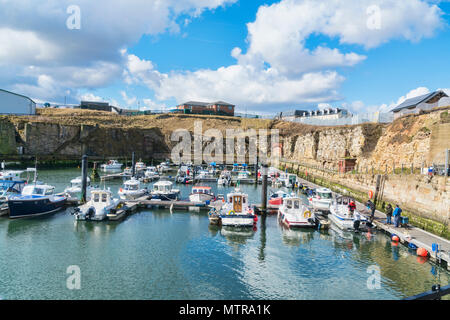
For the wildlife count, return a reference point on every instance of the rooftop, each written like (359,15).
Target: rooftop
(413,102)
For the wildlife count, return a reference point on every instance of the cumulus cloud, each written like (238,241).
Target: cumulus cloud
(279,68)
(34,33)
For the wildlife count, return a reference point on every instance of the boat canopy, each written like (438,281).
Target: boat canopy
(38,190)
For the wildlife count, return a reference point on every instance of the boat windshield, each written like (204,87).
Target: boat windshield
(131,187)
(325,195)
(296,204)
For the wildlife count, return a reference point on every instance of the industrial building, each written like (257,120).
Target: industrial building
(94,105)
(13,103)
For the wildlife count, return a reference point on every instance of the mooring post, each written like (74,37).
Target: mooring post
(264,171)
(256,170)
(84,168)
(133,166)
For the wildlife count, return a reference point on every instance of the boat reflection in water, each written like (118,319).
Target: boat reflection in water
(296,236)
(97,229)
(237,235)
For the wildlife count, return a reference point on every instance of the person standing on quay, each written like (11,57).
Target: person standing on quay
(389,210)
(371,206)
(397,213)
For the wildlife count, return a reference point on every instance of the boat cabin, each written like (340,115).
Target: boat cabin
(131,185)
(100,196)
(205,190)
(38,190)
(163,186)
(324,193)
(292,203)
(238,201)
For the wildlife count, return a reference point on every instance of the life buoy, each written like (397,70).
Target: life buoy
(307,214)
(231,212)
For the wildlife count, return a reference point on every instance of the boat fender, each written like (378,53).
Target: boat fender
(255,218)
(395,238)
(307,214)
(422,252)
(356,224)
(412,246)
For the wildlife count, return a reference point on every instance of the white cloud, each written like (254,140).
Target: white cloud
(128,100)
(34,33)
(279,69)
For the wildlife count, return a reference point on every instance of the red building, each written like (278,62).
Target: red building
(216,108)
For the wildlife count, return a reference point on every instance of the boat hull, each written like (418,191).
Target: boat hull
(237,220)
(23,208)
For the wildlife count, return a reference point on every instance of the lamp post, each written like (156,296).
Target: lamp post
(264,172)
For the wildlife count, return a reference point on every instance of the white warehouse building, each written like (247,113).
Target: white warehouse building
(13,103)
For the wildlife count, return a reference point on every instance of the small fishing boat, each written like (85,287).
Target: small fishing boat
(139,166)
(101,204)
(293,213)
(131,190)
(151,173)
(201,194)
(163,190)
(74,190)
(111,165)
(164,167)
(35,200)
(11,183)
(321,199)
(344,218)
(276,199)
(205,175)
(224,178)
(236,211)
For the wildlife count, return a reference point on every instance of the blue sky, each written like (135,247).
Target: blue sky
(263,56)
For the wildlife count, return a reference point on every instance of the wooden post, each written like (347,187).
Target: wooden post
(264,170)
(84,165)
(412,168)
(133,165)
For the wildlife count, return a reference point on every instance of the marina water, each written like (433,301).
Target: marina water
(154,254)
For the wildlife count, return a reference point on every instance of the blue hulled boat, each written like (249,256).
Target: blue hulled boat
(35,200)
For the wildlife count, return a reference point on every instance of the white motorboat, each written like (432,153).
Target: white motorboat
(321,199)
(74,190)
(139,166)
(293,213)
(163,190)
(201,194)
(111,165)
(224,179)
(151,173)
(343,217)
(101,204)
(164,167)
(131,190)
(236,211)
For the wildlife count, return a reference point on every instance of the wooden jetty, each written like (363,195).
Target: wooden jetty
(418,237)
(112,176)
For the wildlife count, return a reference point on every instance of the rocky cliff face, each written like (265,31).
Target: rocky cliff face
(417,140)
(56,133)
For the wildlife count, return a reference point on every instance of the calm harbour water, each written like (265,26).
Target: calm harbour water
(157,255)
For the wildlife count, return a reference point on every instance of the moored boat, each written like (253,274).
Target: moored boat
(201,194)
(111,165)
(345,218)
(131,190)
(163,190)
(236,211)
(101,204)
(293,213)
(35,200)
(321,199)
